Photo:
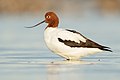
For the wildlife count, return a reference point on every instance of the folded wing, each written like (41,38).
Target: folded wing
(73,39)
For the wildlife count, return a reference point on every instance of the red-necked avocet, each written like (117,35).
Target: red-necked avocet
(68,43)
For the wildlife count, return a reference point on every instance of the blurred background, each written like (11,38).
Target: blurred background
(99,19)
(63,6)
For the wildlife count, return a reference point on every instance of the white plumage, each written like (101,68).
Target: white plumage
(51,36)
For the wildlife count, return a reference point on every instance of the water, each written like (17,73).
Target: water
(24,56)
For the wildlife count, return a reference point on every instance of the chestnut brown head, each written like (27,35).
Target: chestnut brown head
(50,18)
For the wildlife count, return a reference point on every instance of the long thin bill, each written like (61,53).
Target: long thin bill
(36,25)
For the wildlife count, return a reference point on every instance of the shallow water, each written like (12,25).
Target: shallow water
(24,56)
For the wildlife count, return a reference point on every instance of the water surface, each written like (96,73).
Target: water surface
(24,56)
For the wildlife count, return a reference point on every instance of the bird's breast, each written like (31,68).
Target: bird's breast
(50,37)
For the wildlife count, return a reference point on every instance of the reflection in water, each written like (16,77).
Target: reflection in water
(65,70)
(53,72)
(81,71)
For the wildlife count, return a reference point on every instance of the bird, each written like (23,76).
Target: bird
(68,43)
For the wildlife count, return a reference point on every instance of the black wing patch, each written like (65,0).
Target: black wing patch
(76,32)
(70,43)
(87,44)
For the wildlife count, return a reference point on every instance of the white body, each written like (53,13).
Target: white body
(51,36)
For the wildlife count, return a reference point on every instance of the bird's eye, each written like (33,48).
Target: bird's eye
(48,16)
